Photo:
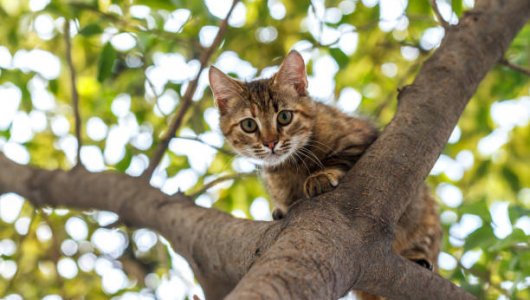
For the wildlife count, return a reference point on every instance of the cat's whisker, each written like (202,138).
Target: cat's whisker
(302,160)
(310,155)
(293,159)
(321,146)
(313,155)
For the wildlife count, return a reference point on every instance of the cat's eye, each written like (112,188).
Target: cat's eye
(249,125)
(285,117)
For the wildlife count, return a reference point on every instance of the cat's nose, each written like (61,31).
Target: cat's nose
(270,144)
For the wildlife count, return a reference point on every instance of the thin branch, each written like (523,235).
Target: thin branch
(156,96)
(320,21)
(196,139)
(485,276)
(187,98)
(442,21)
(219,180)
(75,95)
(515,67)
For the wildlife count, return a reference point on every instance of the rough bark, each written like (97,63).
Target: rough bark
(329,244)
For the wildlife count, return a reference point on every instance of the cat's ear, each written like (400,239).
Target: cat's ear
(224,88)
(292,73)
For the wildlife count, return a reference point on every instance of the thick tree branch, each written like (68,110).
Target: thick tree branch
(177,118)
(403,155)
(192,230)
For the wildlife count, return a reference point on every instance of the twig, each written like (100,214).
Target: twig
(442,21)
(485,276)
(515,67)
(155,94)
(321,23)
(196,139)
(75,95)
(218,180)
(114,224)
(187,98)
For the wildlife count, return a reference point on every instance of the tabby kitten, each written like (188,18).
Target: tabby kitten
(306,147)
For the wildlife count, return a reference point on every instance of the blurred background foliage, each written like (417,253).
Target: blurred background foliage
(133,61)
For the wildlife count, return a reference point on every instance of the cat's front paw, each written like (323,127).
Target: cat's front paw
(320,182)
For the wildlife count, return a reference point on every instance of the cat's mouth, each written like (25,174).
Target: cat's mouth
(285,151)
(276,156)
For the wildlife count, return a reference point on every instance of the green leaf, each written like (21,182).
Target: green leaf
(54,86)
(524,259)
(517,236)
(339,56)
(479,208)
(125,162)
(511,178)
(418,7)
(106,62)
(159,4)
(516,211)
(90,29)
(483,168)
(457,7)
(178,163)
(480,238)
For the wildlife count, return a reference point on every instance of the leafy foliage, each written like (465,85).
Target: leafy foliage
(134,60)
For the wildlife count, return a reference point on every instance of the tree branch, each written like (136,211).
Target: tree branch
(177,118)
(442,21)
(192,230)
(196,139)
(73,84)
(438,96)
(219,180)
(515,67)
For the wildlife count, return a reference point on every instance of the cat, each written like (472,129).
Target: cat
(306,147)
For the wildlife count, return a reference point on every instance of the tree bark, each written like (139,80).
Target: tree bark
(332,243)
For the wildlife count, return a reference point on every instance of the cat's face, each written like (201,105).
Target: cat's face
(267,120)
